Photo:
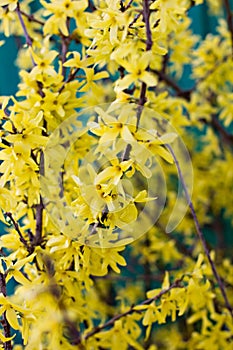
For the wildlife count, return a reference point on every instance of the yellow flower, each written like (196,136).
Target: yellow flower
(7,18)
(154,144)
(76,61)
(225,103)
(29,132)
(43,62)
(113,127)
(95,197)
(59,11)
(10,309)
(12,4)
(136,67)
(54,102)
(114,172)
(113,22)
(91,77)
(168,13)
(7,202)
(111,257)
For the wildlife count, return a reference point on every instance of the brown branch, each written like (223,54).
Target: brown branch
(149,43)
(64,48)
(123,7)
(165,63)
(229,21)
(56,293)
(98,329)
(91,6)
(39,223)
(179,245)
(39,209)
(132,277)
(31,18)
(27,36)
(5,324)
(147,270)
(146,17)
(170,82)
(22,239)
(73,333)
(186,94)
(135,19)
(125,155)
(71,77)
(142,98)
(128,5)
(228,138)
(65,41)
(200,233)
(192,4)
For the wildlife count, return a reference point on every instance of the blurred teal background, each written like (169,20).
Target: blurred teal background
(8,71)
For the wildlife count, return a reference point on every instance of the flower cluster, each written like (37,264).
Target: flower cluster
(95,154)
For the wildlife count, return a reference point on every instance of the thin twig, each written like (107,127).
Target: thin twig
(91,6)
(170,82)
(39,223)
(149,43)
(128,5)
(186,94)
(123,7)
(132,277)
(22,239)
(179,244)
(71,77)
(31,18)
(142,98)
(55,292)
(134,20)
(200,233)
(146,17)
(228,138)
(5,324)
(65,41)
(165,63)
(39,209)
(176,284)
(27,36)
(125,155)
(64,48)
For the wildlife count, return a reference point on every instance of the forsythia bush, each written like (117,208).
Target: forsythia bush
(113,176)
